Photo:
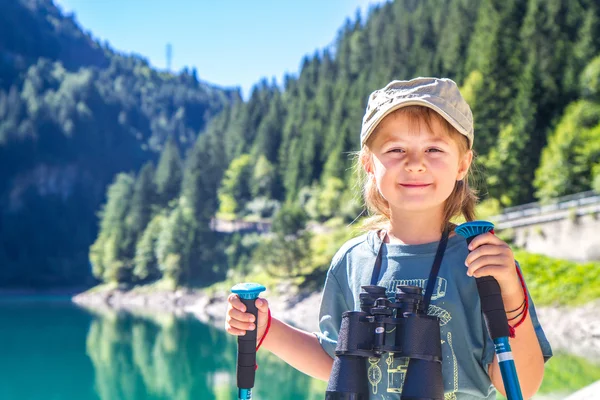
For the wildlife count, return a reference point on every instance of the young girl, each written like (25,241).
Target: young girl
(416,143)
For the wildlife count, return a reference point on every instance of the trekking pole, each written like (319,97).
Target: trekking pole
(246,356)
(494,315)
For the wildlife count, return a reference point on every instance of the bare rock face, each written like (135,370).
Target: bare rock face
(573,330)
(300,310)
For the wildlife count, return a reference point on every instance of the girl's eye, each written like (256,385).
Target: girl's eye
(396,151)
(434,150)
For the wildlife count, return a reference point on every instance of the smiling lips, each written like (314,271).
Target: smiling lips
(415,185)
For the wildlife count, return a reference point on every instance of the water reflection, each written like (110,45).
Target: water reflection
(164,357)
(42,351)
(161,356)
(53,350)
(154,356)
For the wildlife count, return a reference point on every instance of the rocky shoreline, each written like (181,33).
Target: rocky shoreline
(298,309)
(571,330)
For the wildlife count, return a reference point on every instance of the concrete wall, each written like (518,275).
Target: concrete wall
(574,238)
(567,227)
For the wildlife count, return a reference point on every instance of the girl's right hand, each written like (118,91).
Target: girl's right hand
(238,321)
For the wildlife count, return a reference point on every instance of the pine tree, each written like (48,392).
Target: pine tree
(263,178)
(144,193)
(235,187)
(110,254)
(201,179)
(511,164)
(268,135)
(174,243)
(169,173)
(146,264)
(576,144)
(455,36)
(495,53)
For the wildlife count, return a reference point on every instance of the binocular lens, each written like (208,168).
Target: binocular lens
(355,388)
(423,380)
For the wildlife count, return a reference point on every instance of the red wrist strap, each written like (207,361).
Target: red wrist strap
(263,336)
(512,328)
(266,331)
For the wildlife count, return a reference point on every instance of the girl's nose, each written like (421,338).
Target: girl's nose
(414,163)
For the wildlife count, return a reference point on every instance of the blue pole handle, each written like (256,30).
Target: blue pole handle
(494,314)
(508,370)
(246,356)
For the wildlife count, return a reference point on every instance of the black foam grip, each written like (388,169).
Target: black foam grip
(246,358)
(492,305)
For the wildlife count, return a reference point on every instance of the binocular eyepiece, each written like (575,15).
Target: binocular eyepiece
(400,326)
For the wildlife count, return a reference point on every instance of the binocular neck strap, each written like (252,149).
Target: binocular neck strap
(435,268)
(377,267)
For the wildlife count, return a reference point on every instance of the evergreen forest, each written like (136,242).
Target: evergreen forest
(113,171)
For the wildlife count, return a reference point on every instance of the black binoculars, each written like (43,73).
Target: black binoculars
(400,326)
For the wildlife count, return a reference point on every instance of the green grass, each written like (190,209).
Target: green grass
(569,373)
(553,281)
(566,374)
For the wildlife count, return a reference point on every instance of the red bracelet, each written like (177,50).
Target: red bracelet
(263,336)
(512,328)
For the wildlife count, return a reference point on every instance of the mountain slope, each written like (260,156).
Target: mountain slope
(72,115)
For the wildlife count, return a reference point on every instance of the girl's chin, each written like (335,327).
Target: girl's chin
(412,207)
(415,204)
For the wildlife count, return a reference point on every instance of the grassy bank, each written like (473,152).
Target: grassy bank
(553,281)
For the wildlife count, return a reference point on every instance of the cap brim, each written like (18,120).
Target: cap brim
(417,102)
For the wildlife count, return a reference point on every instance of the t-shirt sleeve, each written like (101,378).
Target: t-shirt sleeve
(333,304)
(541,336)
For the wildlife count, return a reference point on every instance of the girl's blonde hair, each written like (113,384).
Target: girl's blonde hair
(461,201)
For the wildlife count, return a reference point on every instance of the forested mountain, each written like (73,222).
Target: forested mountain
(73,113)
(529,68)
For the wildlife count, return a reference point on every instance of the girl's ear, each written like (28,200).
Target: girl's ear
(464,164)
(367,164)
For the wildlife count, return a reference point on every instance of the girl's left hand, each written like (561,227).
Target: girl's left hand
(491,256)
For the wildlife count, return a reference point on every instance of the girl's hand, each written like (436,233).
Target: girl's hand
(491,256)
(238,321)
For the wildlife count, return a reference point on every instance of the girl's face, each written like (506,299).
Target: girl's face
(415,168)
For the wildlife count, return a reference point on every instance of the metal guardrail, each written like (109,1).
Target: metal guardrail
(574,201)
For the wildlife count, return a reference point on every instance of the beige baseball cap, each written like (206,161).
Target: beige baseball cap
(440,94)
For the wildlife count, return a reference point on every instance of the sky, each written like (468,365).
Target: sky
(229,42)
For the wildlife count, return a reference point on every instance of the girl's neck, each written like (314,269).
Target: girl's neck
(415,227)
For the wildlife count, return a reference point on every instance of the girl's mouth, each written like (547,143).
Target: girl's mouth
(415,185)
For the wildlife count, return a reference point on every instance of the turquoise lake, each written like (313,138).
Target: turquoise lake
(51,349)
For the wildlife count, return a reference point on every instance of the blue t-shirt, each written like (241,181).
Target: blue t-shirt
(467,349)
